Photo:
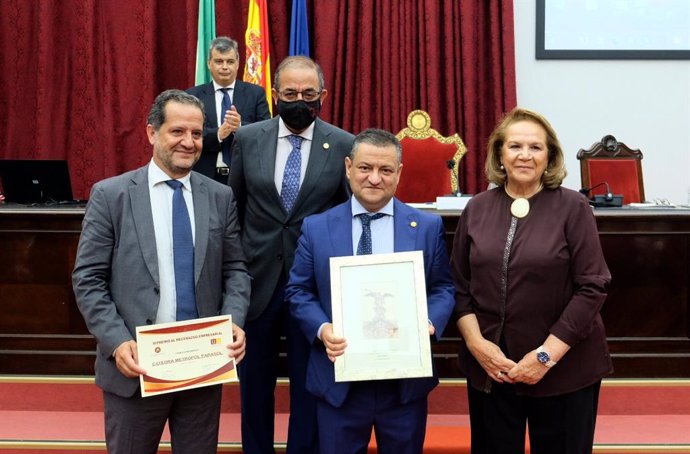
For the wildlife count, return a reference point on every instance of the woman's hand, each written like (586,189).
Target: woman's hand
(529,370)
(492,359)
(489,355)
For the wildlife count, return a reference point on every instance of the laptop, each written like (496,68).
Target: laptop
(36,181)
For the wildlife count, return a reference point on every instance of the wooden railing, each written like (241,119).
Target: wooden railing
(646,314)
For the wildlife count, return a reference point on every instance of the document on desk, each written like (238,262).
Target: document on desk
(185,355)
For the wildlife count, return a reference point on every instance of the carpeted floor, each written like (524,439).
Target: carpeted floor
(46,415)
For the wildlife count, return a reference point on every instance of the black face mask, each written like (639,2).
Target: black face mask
(297,115)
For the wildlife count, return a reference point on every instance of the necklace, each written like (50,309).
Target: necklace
(520,206)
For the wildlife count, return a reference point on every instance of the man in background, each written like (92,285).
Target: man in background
(159,244)
(229,103)
(372,221)
(283,170)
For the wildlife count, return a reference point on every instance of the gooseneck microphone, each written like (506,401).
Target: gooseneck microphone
(451,165)
(608,196)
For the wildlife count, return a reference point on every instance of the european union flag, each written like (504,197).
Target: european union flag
(299,29)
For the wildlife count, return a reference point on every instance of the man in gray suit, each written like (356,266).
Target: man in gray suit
(125,277)
(283,170)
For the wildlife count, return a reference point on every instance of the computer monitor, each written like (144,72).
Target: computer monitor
(28,181)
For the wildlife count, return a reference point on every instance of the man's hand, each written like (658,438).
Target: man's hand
(335,346)
(239,344)
(231,123)
(127,359)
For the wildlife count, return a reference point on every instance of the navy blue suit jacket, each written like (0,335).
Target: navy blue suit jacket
(250,102)
(308,292)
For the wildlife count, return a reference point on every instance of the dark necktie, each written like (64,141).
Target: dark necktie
(293,169)
(224,107)
(183,255)
(364,245)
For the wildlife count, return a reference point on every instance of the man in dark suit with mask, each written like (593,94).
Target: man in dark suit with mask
(228,103)
(283,170)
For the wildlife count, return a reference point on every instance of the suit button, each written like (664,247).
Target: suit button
(286,226)
(156,290)
(149,322)
(279,256)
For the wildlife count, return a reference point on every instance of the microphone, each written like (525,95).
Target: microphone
(451,165)
(606,200)
(608,196)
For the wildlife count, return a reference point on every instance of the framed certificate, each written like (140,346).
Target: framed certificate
(379,307)
(185,355)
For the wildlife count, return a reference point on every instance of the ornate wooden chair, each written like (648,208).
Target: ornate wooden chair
(431,161)
(612,163)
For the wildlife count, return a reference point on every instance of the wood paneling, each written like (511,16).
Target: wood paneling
(646,314)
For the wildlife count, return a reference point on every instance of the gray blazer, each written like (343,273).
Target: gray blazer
(269,234)
(116,278)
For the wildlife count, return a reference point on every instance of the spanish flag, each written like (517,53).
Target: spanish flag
(257,69)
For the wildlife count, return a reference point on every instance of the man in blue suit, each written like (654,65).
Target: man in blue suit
(245,103)
(372,221)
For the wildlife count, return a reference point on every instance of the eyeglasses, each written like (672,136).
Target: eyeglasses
(307,95)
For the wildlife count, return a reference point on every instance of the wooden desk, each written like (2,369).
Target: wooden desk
(646,314)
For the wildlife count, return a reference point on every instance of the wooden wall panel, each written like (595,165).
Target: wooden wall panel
(646,314)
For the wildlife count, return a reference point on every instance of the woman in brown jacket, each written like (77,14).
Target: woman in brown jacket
(530,282)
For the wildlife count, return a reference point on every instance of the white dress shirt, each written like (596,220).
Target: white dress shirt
(382,230)
(161,208)
(219,102)
(284,148)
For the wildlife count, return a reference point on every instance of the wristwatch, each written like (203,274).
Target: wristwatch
(544,357)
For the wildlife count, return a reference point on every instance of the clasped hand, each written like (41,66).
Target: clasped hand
(504,370)
(231,123)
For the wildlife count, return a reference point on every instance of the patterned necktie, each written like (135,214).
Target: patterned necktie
(364,245)
(183,255)
(224,107)
(293,168)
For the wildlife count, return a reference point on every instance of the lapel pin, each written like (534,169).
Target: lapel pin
(326,146)
(413,224)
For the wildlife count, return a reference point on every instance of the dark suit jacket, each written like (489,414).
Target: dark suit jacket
(250,102)
(116,278)
(309,288)
(269,234)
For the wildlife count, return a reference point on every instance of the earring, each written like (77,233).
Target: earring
(501,167)
(546,172)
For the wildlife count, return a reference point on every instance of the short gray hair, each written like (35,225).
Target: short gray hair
(157,114)
(378,138)
(223,44)
(297,61)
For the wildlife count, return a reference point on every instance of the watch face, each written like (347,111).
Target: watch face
(543,357)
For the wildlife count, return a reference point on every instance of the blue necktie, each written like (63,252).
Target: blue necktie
(293,169)
(364,245)
(183,255)
(224,107)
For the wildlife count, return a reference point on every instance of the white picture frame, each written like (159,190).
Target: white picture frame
(379,306)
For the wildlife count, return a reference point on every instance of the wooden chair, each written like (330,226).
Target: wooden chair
(431,161)
(613,163)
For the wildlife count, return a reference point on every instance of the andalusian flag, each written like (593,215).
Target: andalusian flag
(205,34)
(257,70)
(299,29)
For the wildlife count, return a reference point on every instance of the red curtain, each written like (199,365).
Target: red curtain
(79,76)
(453,59)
